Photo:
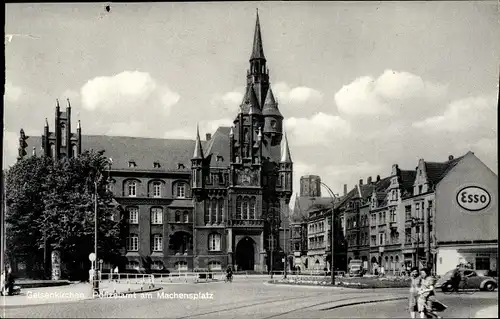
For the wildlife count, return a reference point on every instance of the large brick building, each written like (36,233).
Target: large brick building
(198,204)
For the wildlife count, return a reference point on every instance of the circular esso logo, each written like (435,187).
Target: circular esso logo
(473,198)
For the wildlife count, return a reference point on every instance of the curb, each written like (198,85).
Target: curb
(355,303)
(306,286)
(119,294)
(336,286)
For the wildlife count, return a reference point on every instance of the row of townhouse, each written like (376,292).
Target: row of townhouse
(439,215)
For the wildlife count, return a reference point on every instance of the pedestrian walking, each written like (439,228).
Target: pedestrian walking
(426,302)
(414,288)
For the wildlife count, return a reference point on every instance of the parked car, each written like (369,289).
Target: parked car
(356,271)
(474,280)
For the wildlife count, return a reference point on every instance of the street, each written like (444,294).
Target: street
(252,298)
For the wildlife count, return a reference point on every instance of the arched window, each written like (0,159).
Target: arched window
(221,209)
(238,207)
(214,240)
(186,216)
(157,215)
(214,265)
(177,216)
(181,190)
(213,212)
(52,150)
(132,188)
(156,189)
(75,151)
(133,242)
(157,242)
(64,135)
(392,262)
(244,208)
(207,212)
(252,208)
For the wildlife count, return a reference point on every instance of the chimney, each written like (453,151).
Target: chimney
(361,182)
(345,189)
(208,136)
(369,180)
(450,158)
(378,178)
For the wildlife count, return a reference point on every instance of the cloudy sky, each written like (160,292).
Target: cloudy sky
(361,85)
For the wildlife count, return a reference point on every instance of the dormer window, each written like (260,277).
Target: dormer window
(220,158)
(420,172)
(132,164)
(180,166)
(156,165)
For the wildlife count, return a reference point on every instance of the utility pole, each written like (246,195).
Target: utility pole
(271,248)
(428,238)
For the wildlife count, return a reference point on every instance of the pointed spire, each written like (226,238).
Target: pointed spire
(57,103)
(46,122)
(231,132)
(69,104)
(78,125)
(270,100)
(257,51)
(285,155)
(270,105)
(198,151)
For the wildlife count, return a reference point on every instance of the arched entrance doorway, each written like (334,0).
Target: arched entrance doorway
(245,254)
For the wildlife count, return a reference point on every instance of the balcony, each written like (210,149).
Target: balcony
(393,225)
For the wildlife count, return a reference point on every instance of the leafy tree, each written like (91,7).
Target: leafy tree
(64,214)
(24,190)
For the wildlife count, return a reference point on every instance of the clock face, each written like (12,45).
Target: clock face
(245,179)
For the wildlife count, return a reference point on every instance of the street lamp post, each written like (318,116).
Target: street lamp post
(332,230)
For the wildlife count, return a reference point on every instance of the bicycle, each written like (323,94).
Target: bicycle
(463,287)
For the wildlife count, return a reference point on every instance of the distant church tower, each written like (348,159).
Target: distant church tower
(310,186)
(62,143)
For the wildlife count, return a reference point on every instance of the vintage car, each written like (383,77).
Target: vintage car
(475,280)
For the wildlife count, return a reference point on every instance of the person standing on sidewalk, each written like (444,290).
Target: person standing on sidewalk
(414,288)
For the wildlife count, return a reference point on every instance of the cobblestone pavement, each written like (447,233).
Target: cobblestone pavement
(244,298)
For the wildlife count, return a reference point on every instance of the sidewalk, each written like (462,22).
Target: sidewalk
(489,312)
(69,293)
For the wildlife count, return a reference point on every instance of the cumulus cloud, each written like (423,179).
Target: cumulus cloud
(126,90)
(229,101)
(300,94)
(464,115)
(12,92)
(385,95)
(320,128)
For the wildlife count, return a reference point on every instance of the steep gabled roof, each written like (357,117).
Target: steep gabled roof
(407,179)
(219,146)
(437,171)
(141,150)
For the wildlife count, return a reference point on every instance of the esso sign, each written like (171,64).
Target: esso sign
(473,198)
